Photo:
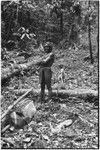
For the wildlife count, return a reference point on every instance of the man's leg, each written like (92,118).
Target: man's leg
(48,76)
(42,84)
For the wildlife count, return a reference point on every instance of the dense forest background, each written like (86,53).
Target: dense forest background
(72,28)
(62,22)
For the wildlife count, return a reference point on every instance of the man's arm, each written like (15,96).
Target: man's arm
(51,56)
(45,61)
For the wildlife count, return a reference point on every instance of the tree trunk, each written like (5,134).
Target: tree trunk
(98,44)
(15,69)
(61,19)
(98,34)
(61,23)
(89,36)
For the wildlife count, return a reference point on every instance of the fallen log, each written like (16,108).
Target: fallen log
(74,92)
(18,100)
(14,69)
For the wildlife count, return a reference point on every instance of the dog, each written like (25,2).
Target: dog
(61,76)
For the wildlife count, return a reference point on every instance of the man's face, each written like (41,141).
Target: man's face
(46,49)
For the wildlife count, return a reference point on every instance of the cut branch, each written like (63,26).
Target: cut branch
(5,128)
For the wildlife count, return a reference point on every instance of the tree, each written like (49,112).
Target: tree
(61,18)
(89,33)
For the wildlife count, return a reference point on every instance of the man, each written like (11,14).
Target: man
(45,73)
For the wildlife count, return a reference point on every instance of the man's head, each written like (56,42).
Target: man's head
(61,66)
(48,47)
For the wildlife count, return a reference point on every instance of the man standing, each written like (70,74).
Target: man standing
(45,73)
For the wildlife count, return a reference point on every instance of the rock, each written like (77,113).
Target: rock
(11,129)
(29,110)
(69,133)
(27,140)
(45,137)
(17,121)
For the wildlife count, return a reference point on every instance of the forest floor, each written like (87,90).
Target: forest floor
(79,74)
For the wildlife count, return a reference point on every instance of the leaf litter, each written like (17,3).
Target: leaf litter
(55,126)
(60,123)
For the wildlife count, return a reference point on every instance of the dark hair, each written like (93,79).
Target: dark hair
(61,66)
(49,45)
